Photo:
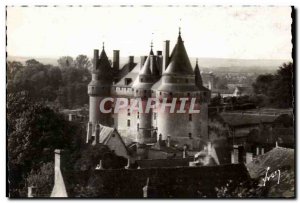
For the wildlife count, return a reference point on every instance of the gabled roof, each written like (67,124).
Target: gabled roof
(105,135)
(179,61)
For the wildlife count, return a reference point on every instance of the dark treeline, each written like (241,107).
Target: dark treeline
(276,90)
(64,85)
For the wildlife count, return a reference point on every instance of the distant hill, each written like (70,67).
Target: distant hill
(206,64)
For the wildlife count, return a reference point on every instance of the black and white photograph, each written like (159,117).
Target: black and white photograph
(150,101)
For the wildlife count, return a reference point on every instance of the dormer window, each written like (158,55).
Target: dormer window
(128,81)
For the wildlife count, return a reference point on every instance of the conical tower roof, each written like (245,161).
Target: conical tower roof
(179,62)
(198,78)
(103,64)
(146,69)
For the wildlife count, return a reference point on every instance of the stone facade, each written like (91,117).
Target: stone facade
(161,76)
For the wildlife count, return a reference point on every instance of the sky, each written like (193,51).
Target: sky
(208,32)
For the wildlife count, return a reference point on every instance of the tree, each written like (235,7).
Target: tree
(277,88)
(12,68)
(82,61)
(42,179)
(281,91)
(32,63)
(34,131)
(262,84)
(65,62)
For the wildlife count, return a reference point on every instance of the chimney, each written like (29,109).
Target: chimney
(148,190)
(240,154)
(168,141)
(257,151)
(249,157)
(143,59)
(276,144)
(159,59)
(166,54)
(59,188)
(209,148)
(131,59)
(99,166)
(89,132)
(116,60)
(235,154)
(32,191)
(153,69)
(96,58)
(184,154)
(128,163)
(97,134)
(262,151)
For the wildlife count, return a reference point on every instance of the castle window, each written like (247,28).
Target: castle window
(138,114)
(186,80)
(136,91)
(190,135)
(160,93)
(128,113)
(138,126)
(171,94)
(141,79)
(154,116)
(190,117)
(128,123)
(188,94)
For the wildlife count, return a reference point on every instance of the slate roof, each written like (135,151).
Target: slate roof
(133,74)
(180,182)
(105,135)
(278,158)
(198,78)
(103,64)
(240,119)
(163,163)
(179,62)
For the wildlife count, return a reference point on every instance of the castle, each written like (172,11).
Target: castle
(162,76)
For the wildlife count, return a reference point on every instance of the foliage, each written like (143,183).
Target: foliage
(42,179)
(82,61)
(65,86)
(221,83)
(246,189)
(277,89)
(65,62)
(33,132)
(91,155)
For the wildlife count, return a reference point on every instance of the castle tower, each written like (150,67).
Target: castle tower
(148,75)
(178,81)
(98,89)
(204,101)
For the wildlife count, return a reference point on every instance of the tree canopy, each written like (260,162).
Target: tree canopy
(276,90)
